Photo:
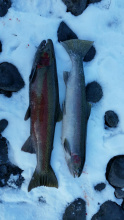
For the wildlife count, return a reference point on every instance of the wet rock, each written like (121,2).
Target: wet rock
(76,210)
(115,171)
(3,125)
(119,194)
(99,187)
(109,210)
(90,55)
(4,6)
(10,78)
(93,92)
(111,119)
(93,1)
(0,47)
(76,7)
(65,33)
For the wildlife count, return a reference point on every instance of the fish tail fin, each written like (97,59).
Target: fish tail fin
(43,179)
(76,46)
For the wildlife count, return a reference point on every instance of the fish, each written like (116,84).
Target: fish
(76,110)
(44,111)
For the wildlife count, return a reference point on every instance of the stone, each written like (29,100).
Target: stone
(3,125)
(111,119)
(115,171)
(119,194)
(76,210)
(3,151)
(93,1)
(0,47)
(90,55)
(109,210)
(65,33)
(100,186)
(76,7)
(10,78)
(93,92)
(4,6)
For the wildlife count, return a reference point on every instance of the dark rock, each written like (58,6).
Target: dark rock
(6,93)
(109,210)
(3,151)
(119,194)
(76,210)
(4,6)
(111,119)
(0,47)
(90,55)
(10,78)
(65,33)
(100,186)
(93,1)
(93,92)
(3,125)
(122,205)
(115,171)
(76,7)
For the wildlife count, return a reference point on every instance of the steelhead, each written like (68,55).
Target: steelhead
(44,111)
(76,110)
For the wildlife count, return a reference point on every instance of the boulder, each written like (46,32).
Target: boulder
(90,55)
(93,92)
(3,125)
(76,7)
(111,119)
(100,186)
(4,6)
(65,33)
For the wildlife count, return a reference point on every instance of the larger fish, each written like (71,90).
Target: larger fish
(76,110)
(44,111)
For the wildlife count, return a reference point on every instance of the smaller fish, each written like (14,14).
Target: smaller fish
(44,111)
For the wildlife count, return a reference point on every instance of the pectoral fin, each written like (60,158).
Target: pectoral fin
(66,76)
(88,110)
(28,146)
(27,115)
(67,146)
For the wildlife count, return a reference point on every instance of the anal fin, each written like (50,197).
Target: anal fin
(28,147)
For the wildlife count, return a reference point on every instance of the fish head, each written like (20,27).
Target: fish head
(45,54)
(75,165)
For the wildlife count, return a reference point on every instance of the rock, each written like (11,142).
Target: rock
(10,78)
(93,92)
(6,93)
(7,169)
(76,7)
(65,33)
(90,55)
(119,194)
(76,210)
(111,119)
(122,205)
(93,1)
(100,186)
(109,210)
(3,125)
(0,47)
(115,171)
(3,151)
(4,6)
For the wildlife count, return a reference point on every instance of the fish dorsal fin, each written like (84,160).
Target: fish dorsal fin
(28,146)
(66,76)
(27,115)
(67,146)
(88,110)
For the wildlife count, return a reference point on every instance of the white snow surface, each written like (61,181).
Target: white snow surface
(22,29)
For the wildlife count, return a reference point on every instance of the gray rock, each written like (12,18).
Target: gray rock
(93,92)
(100,186)
(10,78)
(93,1)
(3,151)
(115,171)
(109,210)
(76,7)
(4,6)
(65,33)
(90,55)
(3,125)
(76,210)
(111,119)
(119,194)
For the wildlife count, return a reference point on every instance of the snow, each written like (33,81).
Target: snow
(25,25)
